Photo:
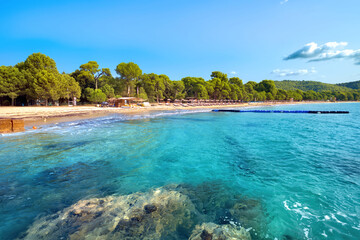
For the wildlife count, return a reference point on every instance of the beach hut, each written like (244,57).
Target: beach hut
(125,101)
(191,100)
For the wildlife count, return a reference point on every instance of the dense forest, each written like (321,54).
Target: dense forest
(309,85)
(352,85)
(37,80)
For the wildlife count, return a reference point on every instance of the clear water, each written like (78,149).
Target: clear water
(300,171)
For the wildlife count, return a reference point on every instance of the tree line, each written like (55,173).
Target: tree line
(309,85)
(37,78)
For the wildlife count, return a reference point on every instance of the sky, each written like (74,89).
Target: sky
(250,39)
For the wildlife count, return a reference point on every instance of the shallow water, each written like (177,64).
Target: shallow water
(299,174)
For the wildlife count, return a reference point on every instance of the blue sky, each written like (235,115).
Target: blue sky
(251,39)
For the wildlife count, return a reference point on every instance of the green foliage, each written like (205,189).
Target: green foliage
(35,66)
(88,92)
(84,81)
(117,84)
(281,95)
(142,94)
(91,76)
(195,87)
(43,81)
(12,82)
(128,72)
(318,90)
(148,83)
(249,87)
(98,96)
(37,62)
(108,90)
(47,85)
(222,76)
(95,95)
(267,86)
(308,85)
(177,90)
(352,85)
(236,81)
(168,85)
(71,88)
(38,78)
(159,88)
(91,71)
(260,96)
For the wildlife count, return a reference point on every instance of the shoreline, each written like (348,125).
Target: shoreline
(40,115)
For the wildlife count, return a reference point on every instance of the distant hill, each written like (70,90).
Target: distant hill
(353,85)
(310,85)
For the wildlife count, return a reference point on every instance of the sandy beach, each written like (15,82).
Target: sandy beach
(36,115)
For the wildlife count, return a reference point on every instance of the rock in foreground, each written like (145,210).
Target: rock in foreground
(212,231)
(157,214)
(162,213)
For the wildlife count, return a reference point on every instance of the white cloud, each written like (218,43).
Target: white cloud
(289,72)
(233,73)
(327,51)
(347,53)
(285,1)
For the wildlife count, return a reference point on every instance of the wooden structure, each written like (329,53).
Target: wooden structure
(124,101)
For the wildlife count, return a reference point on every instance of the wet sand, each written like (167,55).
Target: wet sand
(34,116)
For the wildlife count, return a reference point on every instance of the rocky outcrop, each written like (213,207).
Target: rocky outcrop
(212,231)
(157,214)
(170,212)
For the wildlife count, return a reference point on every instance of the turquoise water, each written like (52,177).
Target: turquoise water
(299,174)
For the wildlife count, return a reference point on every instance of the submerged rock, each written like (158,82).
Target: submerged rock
(249,213)
(157,214)
(49,191)
(209,197)
(212,231)
(170,212)
(222,205)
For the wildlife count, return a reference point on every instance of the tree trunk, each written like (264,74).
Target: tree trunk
(12,101)
(46,102)
(129,90)
(137,91)
(96,83)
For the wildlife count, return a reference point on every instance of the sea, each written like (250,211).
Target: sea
(297,175)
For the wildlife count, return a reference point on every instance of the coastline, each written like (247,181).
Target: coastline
(34,116)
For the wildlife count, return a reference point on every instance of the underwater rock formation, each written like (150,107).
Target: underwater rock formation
(52,190)
(169,212)
(157,214)
(221,205)
(249,213)
(212,231)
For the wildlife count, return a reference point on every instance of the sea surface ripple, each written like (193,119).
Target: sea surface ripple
(302,171)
